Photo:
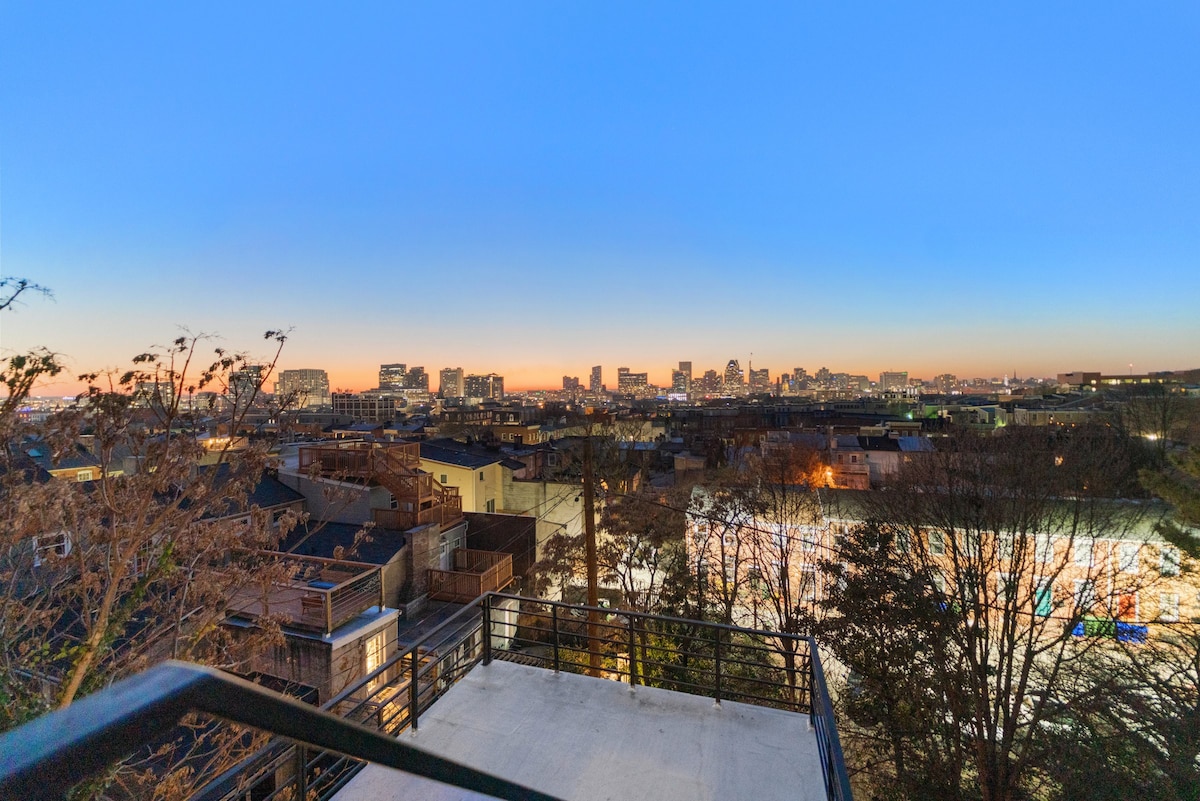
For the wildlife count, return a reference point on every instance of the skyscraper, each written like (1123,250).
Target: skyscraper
(450,384)
(686,369)
(391,376)
(308,387)
(734,378)
(487,387)
(595,384)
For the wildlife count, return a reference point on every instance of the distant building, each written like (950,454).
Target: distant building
(595,384)
(485,387)
(631,383)
(245,383)
(686,369)
(368,407)
(735,380)
(309,387)
(680,383)
(451,383)
(711,382)
(893,381)
(391,376)
(760,380)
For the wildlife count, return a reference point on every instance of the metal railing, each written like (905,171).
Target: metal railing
(48,756)
(719,661)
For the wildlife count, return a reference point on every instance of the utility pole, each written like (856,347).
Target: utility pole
(593,571)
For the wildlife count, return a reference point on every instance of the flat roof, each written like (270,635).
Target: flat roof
(583,738)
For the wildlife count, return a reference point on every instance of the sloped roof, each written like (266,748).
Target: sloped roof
(449,451)
(378,546)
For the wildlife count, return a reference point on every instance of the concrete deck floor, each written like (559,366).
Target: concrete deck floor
(581,738)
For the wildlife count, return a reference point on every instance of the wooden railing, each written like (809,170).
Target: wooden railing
(475,572)
(326,593)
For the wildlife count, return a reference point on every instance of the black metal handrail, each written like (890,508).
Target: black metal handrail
(697,657)
(48,756)
(833,762)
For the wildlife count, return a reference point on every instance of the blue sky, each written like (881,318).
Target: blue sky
(535,188)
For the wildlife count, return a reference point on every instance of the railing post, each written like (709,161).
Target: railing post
(301,773)
(554,630)
(487,629)
(717,665)
(632,652)
(414,700)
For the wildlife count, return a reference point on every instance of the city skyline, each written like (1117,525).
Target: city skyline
(535,190)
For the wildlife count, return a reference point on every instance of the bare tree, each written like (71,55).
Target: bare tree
(1017,538)
(103,577)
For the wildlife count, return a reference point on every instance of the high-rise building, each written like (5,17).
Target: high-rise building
(391,376)
(893,381)
(416,378)
(711,382)
(450,384)
(486,387)
(631,382)
(686,369)
(735,379)
(680,383)
(310,388)
(247,382)
(760,380)
(595,384)
(570,384)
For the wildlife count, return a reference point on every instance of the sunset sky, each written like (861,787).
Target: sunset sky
(534,188)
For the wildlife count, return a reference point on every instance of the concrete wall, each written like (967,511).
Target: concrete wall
(338,501)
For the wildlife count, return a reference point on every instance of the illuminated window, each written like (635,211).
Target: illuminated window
(1170,561)
(1168,607)
(937,543)
(374,648)
(1044,546)
(1128,560)
(1083,552)
(83,475)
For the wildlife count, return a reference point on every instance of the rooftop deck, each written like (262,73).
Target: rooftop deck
(577,737)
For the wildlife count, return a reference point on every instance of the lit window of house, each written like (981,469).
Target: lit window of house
(937,543)
(374,648)
(1128,560)
(1085,594)
(1168,607)
(1044,546)
(1170,561)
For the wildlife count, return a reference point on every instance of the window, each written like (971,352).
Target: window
(1085,594)
(50,546)
(1083,552)
(1168,607)
(1044,599)
(808,584)
(939,583)
(1127,606)
(1044,546)
(491,505)
(1006,590)
(481,475)
(442,480)
(83,475)
(937,543)
(373,649)
(1004,545)
(1128,559)
(1170,561)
